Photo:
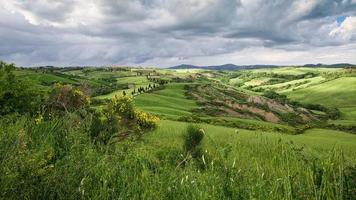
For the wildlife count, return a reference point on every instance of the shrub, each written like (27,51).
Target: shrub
(123,106)
(67,98)
(291,118)
(146,121)
(192,141)
(333,113)
(190,118)
(96,125)
(17,96)
(274,95)
(350,183)
(120,120)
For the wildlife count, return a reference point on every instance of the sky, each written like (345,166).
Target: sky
(163,33)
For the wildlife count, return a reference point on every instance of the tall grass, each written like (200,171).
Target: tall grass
(58,160)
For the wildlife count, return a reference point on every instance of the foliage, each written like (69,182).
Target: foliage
(350,183)
(66,98)
(291,118)
(332,113)
(345,128)
(120,119)
(17,95)
(123,106)
(145,120)
(192,141)
(274,95)
(108,88)
(57,160)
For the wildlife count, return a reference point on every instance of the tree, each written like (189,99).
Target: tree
(17,96)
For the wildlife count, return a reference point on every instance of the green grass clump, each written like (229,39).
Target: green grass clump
(192,141)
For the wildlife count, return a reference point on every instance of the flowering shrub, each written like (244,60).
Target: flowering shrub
(145,120)
(121,120)
(67,98)
(123,106)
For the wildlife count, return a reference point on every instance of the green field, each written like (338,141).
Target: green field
(340,92)
(139,80)
(318,141)
(169,102)
(253,82)
(294,85)
(294,70)
(94,74)
(133,82)
(348,113)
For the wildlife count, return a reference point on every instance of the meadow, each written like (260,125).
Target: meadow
(197,134)
(169,102)
(339,93)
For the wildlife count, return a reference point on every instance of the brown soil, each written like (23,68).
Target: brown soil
(241,105)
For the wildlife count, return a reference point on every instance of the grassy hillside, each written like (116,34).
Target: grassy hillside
(170,102)
(318,141)
(294,85)
(134,82)
(295,70)
(340,92)
(234,164)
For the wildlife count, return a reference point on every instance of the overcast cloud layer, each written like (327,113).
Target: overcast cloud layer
(169,32)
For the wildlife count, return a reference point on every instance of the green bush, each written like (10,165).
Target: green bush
(349,183)
(18,96)
(66,98)
(292,119)
(274,95)
(192,141)
(145,120)
(119,119)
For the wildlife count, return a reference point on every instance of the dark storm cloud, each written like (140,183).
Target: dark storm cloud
(165,32)
(326,8)
(49,10)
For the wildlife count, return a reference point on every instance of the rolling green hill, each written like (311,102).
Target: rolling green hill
(339,93)
(170,101)
(133,82)
(319,141)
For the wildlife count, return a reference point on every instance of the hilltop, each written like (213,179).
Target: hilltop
(242,67)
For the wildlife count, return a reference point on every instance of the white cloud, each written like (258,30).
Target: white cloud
(300,8)
(346,31)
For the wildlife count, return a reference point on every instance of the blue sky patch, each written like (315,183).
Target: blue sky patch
(340,19)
